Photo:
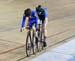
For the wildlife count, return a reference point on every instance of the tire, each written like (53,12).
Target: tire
(40,43)
(33,43)
(28,45)
(42,39)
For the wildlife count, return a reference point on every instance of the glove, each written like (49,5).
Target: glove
(21,29)
(27,27)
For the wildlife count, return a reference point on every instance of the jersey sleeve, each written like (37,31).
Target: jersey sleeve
(23,21)
(45,13)
(37,20)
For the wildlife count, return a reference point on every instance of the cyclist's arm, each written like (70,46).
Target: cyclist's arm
(46,15)
(37,22)
(23,23)
(45,12)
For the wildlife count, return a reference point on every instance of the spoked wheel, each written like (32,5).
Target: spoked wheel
(28,45)
(43,39)
(40,43)
(33,43)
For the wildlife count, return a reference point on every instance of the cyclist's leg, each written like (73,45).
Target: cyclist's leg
(36,26)
(31,24)
(45,29)
(34,22)
(45,32)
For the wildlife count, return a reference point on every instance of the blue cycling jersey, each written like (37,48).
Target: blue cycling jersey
(43,15)
(33,20)
(45,12)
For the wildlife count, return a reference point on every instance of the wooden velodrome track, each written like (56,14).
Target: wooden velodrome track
(61,26)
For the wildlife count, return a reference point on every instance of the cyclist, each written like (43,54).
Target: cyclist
(43,16)
(30,18)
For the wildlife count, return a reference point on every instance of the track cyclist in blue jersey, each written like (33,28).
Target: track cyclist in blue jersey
(43,16)
(30,18)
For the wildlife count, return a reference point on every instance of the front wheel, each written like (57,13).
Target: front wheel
(28,45)
(40,42)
